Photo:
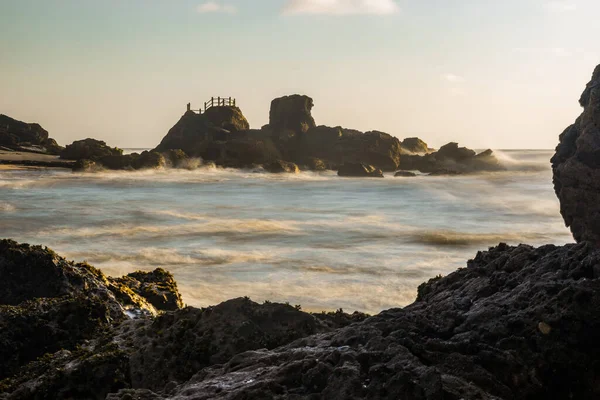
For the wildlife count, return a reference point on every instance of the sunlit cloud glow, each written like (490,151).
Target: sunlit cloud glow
(214,7)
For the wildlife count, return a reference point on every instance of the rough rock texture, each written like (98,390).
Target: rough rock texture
(517,323)
(292,113)
(70,332)
(414,145)
(576,167)
(360,170)
(227,117)
(18,135)
(89,149)
(451,160)
(48,304)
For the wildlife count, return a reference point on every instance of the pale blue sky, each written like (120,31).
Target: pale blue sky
(500,74)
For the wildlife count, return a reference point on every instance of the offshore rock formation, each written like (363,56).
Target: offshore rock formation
(20,135)
(576,167)
(221,135)
(89,149)
(292,113)
(451,160)
(517,323)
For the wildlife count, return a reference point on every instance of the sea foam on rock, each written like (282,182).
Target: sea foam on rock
(576,167)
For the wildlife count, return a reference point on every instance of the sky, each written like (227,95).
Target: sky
(485,73)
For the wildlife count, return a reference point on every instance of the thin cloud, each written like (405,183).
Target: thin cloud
(453,78)
(214,7)
(341,7)
(558,6)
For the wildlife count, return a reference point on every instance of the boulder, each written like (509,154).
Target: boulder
(414,145)
(279,166)
(227,117)
(336,146)
(407,174)
(291,113)
(17,135)
(157,287)
(360,170)
(89,149)
(576,167)
(451,160)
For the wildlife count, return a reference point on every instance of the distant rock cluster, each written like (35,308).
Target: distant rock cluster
(576,167)
(17,135)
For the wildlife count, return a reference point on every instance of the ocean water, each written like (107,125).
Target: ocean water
(311,239)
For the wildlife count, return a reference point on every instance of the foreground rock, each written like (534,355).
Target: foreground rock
(89,149)
(576,167)
(360,171)
(517,323)
(20,135)
(66,330)
(452,160)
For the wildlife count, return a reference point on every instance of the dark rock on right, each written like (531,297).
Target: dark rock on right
(360,171)
(576,168)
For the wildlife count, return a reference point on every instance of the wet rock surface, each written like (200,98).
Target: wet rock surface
(517,323)
(576,167)
(414,145)
(20,135)
(360,171)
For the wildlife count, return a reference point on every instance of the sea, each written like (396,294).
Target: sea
(310,239)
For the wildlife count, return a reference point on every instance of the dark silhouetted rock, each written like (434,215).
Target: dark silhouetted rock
(291,113)
(89,149)
(405,174)
(452,152)
(576,167)
(360,170)
(227,117)
(451,160)
(414,145)
(23,136)
(158,287)
(336,146)
(282,167)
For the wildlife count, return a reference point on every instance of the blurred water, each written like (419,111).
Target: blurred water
(312,239)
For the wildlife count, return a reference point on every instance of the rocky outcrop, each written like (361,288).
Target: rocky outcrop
(576,167)
(68,331)
(291,113)
(89,149)
(414,145)
(517,323)
(48,304)
(360,171)
(20,135)
(405,174)
(451,159)
(221,135)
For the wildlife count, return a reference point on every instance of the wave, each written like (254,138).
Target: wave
(525,161)
(7,207)
(457,239)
